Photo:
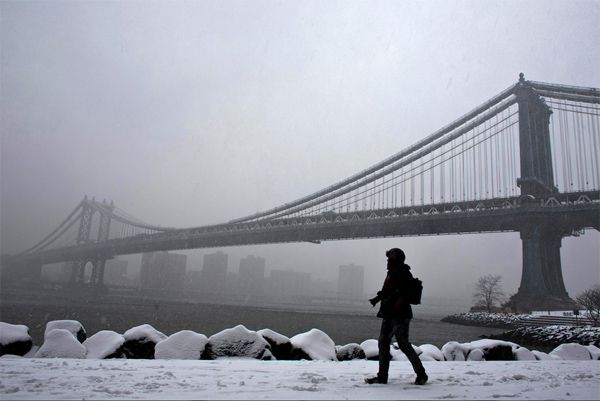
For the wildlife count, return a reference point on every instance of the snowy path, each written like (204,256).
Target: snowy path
(23,378)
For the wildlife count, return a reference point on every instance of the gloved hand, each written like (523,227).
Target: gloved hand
(373,301)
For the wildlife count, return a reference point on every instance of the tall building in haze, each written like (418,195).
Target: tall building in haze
(163,271)
(213,276)
(252,275)
(351,281)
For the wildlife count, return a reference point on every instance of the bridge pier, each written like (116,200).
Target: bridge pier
(542,286)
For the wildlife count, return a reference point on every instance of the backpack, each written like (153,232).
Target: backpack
(414,291)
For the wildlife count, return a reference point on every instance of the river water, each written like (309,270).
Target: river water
(344,324)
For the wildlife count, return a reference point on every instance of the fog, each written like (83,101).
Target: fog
(188,113)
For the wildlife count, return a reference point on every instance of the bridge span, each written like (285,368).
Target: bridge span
(525,161)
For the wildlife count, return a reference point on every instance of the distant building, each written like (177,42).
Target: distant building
(162,271)
(351,281)
(252,275)
(115,272)
(288,283)
(213,277)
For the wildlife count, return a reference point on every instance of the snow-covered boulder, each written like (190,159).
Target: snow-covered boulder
(237,342)
(281,346)
(371,348)
(523,354)
(541,356)
(349,352)
(314,345)
(72,326)
(476,355)
(594,351)
(454,351)
(14,339)
(398,355)
(495,350)
(185,344)
(105,344)
(60,343)
(140,342)
(431,353)
(572,352)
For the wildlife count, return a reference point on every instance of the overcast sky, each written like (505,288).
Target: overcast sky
(187,113)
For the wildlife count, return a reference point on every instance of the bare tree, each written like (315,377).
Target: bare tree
(488,291)
(590,300)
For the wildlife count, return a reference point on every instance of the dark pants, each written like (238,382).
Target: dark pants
(399,329)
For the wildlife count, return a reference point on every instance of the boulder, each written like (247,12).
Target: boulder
(281,346)
(140,342)
(431,353)
(72,326)
(572,352)
(495,350)
(184,344)
(476,355)
(314,345)
(594,351)
(371,348)
(541,356)
(523,354)
(398,355)
(237,342)
(349,352)
(105,344)
(14,339)
(454,351)
(60,343)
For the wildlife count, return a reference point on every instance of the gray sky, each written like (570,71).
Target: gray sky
(199,112)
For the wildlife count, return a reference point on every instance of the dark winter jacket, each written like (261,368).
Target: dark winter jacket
(392,296)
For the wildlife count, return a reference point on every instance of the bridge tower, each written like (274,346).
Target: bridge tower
(542,284)
(98,261)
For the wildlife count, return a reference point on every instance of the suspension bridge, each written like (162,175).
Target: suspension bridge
(524,161)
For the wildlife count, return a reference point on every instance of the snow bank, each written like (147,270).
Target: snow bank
(14,339)
(184,344)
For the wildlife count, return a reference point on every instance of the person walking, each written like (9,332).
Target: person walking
(396,312)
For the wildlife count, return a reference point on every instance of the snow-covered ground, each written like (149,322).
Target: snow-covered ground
(244,378)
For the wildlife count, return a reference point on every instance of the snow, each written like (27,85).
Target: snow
(316,344)
(60,343)
(144,333)
(103,344)
(12,333)
(247,379)
(573,352)
(73,326)
(185,344)
(238,341)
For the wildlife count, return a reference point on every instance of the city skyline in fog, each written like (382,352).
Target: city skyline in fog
(192,113)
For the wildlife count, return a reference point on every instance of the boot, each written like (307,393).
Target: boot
(376,380)
(421,379)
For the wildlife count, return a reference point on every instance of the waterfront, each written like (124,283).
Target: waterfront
(343,323)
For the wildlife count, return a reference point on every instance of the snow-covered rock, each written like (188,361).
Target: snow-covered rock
(349,352)
(454,351)
(140,342)
(523,354)
(185,344)
(14,339)
(60,343)
(541,356)
(398,355)
(572,352)
(237,342)
(371,349)
(594,351)
(315,344)
(105,344)
(476,355)
(281,346)
(495,350)
(431,353)
(72,326)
